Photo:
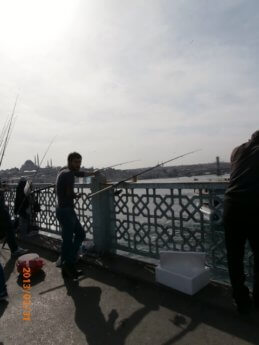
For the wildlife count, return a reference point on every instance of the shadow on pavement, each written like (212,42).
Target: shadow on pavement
(91,321)
(211,306)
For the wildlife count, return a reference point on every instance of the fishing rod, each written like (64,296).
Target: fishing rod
(95,171)
(2,138)
(116,165)
(50,144)
(11,131)
(141,173)
(38,168)
(3,131)
(7,132)
(8,138)
(7,135)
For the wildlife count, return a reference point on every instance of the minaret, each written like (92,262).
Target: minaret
(218,166)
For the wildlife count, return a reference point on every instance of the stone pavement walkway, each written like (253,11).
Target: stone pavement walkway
(108,308)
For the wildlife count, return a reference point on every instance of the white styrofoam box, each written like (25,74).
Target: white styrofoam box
(187,284)
(183,271)
(182,261)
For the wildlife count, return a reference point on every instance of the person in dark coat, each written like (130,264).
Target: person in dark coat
(241,220)
(21,207)
(26,207)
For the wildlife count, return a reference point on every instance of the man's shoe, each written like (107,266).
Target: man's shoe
(20,251)
(3,295)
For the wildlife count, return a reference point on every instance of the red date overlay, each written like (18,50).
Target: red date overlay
(26,301)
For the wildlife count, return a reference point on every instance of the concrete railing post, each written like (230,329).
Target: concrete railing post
(103,215)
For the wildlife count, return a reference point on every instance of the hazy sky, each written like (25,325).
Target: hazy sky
(120,80)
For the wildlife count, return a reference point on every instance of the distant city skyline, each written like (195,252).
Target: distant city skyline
(128,80)
(50,164)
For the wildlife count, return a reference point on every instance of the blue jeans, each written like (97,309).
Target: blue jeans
(72,234)
(2,279)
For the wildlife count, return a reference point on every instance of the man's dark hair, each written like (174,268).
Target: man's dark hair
(73,155)
(255,137)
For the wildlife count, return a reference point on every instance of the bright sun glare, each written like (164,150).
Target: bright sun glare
(29,27)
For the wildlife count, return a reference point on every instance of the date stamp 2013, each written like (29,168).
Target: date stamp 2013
(26,301)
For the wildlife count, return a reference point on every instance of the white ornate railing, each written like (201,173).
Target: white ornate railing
(147,217)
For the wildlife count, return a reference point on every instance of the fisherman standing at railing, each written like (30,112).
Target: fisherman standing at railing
(25,207)
(241,220)
(22,208)
(73,233)
(6,225)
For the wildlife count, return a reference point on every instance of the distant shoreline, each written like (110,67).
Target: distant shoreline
(48,174)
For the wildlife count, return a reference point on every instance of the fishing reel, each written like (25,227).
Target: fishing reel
(117,192)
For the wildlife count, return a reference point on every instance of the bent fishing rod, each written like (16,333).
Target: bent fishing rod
(141,173)
(95,171)
(7,130)
(4,129)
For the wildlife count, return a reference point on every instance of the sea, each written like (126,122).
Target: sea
(198,178)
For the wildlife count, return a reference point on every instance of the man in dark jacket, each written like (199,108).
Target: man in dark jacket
(241,220)
(73,233)
(21,207)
